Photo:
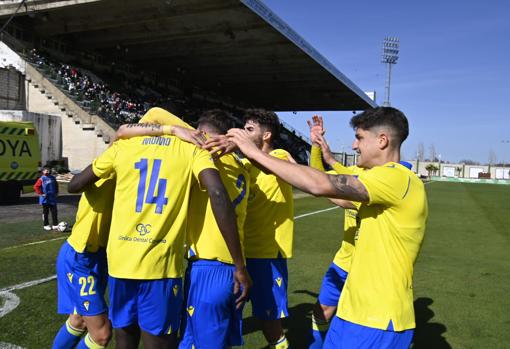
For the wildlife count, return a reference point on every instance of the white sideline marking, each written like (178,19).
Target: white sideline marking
(27,284)
(65,237)
(11,301)
(35,243)
(4,345)
(315,212)
(23,285)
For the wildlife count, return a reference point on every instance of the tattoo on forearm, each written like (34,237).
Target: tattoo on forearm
(151,126)
(348,187)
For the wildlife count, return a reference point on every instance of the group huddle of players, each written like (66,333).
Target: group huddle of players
(164,190)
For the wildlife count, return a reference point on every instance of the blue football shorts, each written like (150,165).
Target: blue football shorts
(155,305)
(269,291)
(347,335)
(332,285)
(210,319)
(81,281)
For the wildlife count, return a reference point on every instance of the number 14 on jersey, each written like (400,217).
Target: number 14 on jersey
(148,198)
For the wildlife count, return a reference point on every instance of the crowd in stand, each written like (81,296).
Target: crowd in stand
(114,106)
(119,108)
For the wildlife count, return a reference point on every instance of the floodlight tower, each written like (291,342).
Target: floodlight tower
(391,47)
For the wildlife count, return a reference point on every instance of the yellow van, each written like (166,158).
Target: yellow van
(20,159)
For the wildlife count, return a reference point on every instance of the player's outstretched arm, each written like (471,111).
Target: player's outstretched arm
(320,148)
(81,180)
(316,126)
(226,220)
(316,158)
(186,134)
(327,155)
(344,203)
(305,178)
(134,130)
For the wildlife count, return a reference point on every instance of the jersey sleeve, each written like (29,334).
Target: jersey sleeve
(280,154)
(343,170)
(385,185)
(103,165)
(37,186)
(247,164)
(316,158)
(356,204)
(202,160)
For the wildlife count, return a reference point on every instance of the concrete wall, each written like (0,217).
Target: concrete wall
(12,90)
(79,146)
(466,171)
(48,127)
(74,134)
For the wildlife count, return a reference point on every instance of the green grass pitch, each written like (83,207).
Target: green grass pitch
(461,283)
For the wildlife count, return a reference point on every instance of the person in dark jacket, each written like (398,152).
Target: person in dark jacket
(47,189)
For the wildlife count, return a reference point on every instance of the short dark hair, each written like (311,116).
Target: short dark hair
(264,118)
(383,116)
(218,119)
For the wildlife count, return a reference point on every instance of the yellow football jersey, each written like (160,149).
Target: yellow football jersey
(316,158)
(204,236)
(392,225)
(90,231)
(154,177)
(162,117)
(343,256)
(351,224)
(269,225)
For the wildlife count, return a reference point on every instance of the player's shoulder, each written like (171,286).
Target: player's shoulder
(246,163)
(157,110)
(279,153)
(395,173)
(389,167)
(105,183)
(390,172)
(232,162)
(238,161)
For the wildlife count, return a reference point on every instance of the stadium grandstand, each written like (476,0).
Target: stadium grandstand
(115,59)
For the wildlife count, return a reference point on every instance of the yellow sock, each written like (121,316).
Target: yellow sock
(88,343)
(319,325)
(282,343)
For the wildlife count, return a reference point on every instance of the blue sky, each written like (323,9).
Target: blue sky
(452,79)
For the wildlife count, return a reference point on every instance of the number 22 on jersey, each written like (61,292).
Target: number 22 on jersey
(148,198)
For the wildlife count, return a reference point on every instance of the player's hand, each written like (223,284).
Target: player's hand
(189,135)
(240,138)
(327,155)
(219,146)
(242,285)
(316,126)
